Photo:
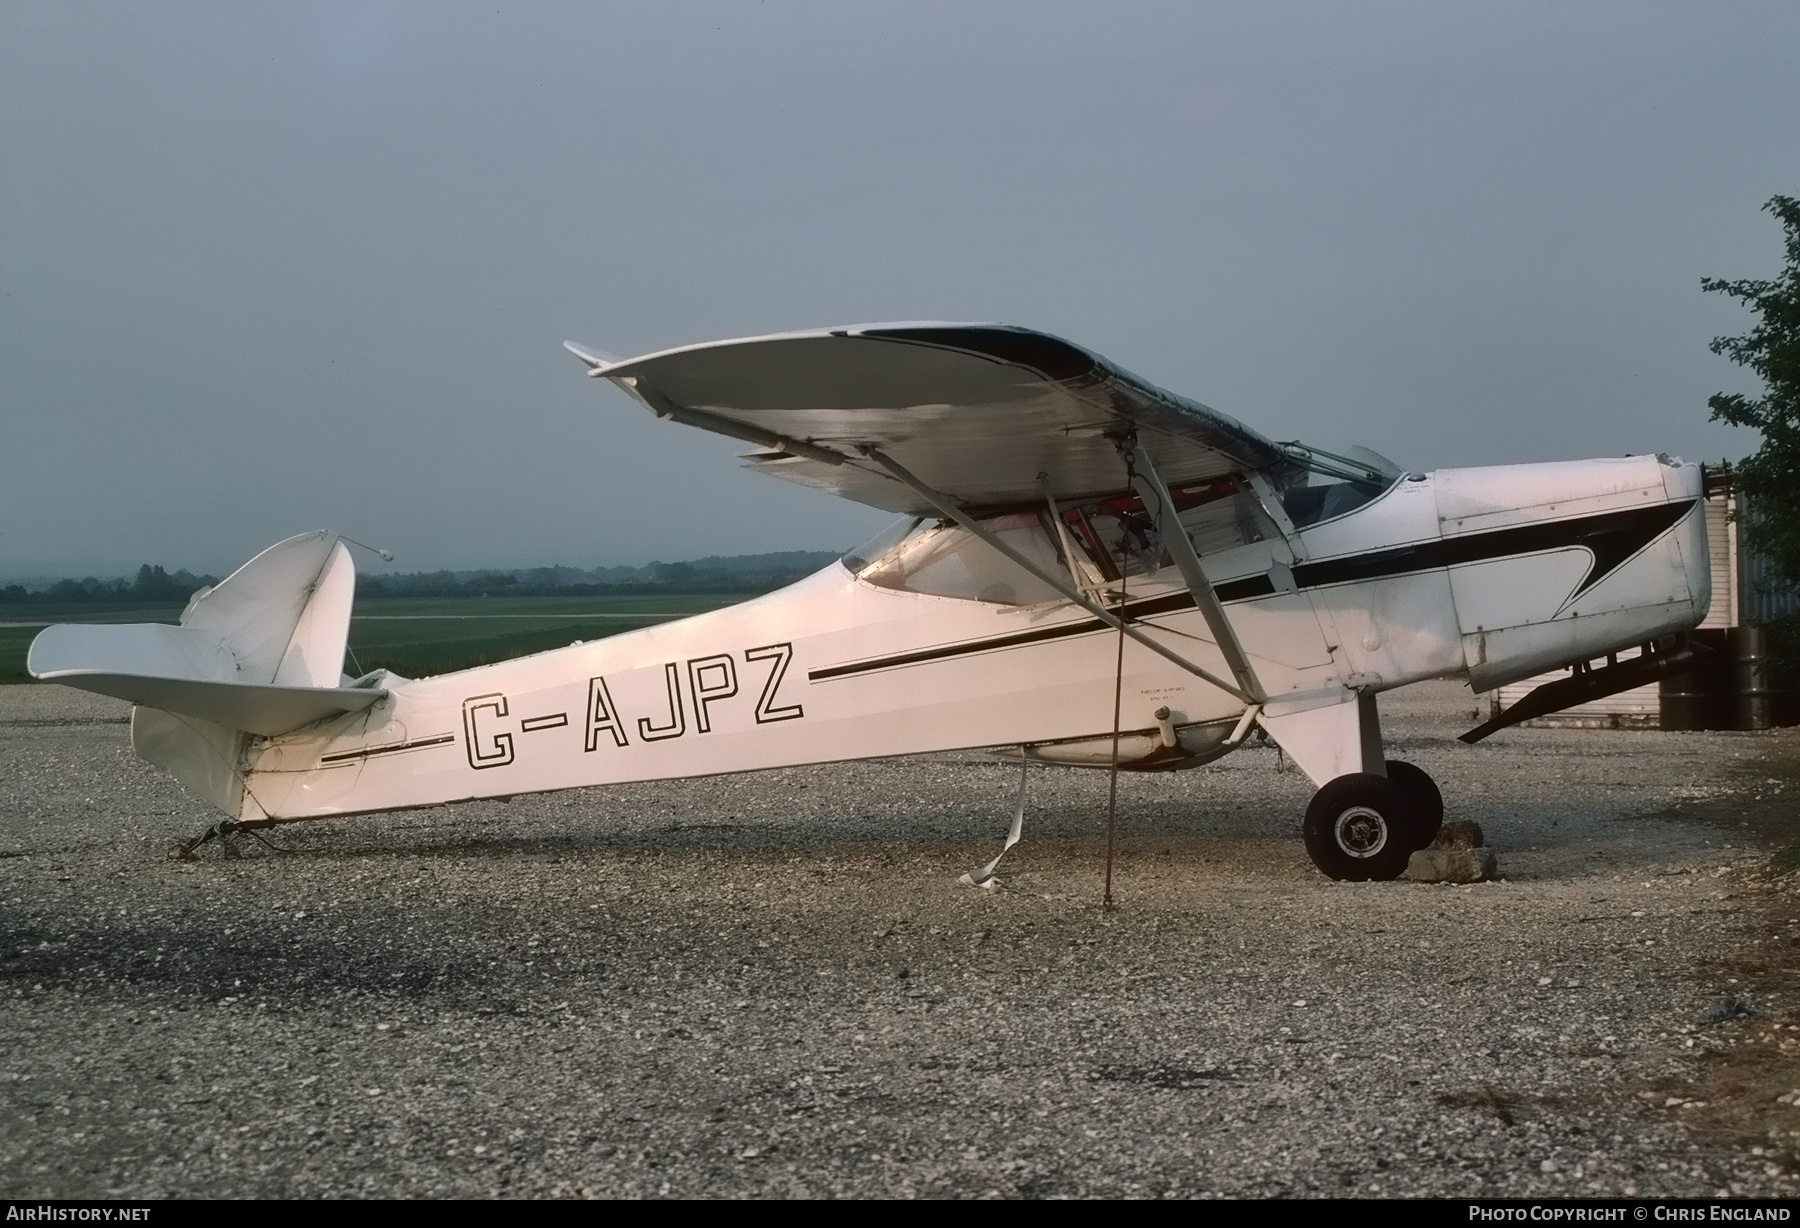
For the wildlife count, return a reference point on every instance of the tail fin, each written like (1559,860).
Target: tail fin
(285,614)
(262,653)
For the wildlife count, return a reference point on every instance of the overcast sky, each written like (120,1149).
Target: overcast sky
(269,268)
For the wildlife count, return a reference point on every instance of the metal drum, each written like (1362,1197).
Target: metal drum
(1702,698)
(1764,681)
(1751,700)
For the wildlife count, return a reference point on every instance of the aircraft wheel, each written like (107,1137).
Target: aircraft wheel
(1362,828)
(1425,795)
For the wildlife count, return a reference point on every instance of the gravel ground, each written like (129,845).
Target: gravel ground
(773,984)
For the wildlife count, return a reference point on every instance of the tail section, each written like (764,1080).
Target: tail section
(285,614)
(260,654)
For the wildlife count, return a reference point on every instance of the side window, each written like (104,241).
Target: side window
(1217,516)
(944,560)
(1218,519)
(1120,535)
(1110,537)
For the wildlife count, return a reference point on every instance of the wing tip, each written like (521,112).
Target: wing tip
(597,360)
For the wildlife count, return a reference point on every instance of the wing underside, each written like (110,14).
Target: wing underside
(977,411)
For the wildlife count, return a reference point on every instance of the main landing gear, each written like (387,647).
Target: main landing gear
(1363,827)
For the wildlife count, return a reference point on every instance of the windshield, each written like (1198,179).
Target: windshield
(1317,485)
(1306,505)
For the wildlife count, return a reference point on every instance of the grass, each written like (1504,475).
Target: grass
(417,637)
(19,625)
(422,637)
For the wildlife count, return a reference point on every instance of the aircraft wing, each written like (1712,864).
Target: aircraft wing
(976,411)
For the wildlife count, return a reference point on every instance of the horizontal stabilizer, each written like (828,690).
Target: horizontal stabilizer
(266,710)
(155,650)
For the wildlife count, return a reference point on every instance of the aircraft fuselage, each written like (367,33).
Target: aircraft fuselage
(1489,574)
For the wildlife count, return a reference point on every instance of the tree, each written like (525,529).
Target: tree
(1770,476)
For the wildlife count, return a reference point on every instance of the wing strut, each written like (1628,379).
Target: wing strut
(1151,490)
(944,504)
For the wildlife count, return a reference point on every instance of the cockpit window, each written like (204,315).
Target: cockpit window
(1217,516)
(1109,538)
(945,560)
(1221,516)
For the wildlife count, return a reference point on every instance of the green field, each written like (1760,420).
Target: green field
(415,638)
(19,625)
(437,636)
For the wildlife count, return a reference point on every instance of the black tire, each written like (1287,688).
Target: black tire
(1362,828)
(1424,791)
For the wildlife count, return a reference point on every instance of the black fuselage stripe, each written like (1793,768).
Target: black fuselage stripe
(372,751)
(1612,536)
(956,650)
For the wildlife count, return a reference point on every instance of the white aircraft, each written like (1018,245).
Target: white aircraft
(1087,570)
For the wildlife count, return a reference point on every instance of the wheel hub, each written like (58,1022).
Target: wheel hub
(1361,832)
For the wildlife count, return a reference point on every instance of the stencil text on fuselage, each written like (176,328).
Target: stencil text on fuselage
(695,693)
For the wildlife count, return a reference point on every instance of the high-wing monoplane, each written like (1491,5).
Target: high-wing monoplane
(1086,570)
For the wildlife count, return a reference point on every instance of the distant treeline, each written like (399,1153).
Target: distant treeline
(153,584)
(746,573)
